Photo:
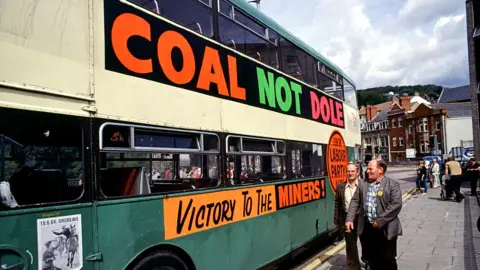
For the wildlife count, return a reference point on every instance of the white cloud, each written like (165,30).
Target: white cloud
(380,42)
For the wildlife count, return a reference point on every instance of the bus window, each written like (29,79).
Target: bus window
(350,94)
(194,14)
(239,38)
(293,60)
(329,86)
(159,161)
(251,160)
(307,160)
(41,159)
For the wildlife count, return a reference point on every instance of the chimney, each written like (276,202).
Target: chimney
(405,103)
(371,112)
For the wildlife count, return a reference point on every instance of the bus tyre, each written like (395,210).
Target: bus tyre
(161,260)
(478,224)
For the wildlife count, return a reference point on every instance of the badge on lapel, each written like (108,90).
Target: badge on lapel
(380,193)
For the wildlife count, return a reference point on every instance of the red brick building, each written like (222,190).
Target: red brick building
(397,121)
(422,122)
(390,128)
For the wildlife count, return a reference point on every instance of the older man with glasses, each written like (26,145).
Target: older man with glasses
(343,197)
(377,205)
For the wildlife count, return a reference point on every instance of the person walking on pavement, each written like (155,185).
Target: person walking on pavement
(473,169)
(421,178)
(345,192)
(453,174)
(378,204)
(436,173)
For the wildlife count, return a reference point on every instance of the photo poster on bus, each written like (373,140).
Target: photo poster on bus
(60,242)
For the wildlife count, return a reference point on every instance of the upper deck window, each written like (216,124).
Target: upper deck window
(246,41)
(350,94)
(327,84)
(193,14)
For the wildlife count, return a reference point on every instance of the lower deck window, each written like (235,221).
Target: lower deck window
(41,159)
(133,173)
(247,169)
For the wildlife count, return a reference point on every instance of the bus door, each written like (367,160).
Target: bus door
(45,207)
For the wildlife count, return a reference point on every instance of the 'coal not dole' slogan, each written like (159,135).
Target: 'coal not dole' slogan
(140,45)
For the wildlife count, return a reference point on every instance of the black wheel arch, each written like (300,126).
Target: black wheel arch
(163,247)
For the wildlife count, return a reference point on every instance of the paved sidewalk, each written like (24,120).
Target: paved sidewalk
(436,234)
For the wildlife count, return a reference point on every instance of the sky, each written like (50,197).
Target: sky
(383,42)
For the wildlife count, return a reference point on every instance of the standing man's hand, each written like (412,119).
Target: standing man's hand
(375,225)
(348,226)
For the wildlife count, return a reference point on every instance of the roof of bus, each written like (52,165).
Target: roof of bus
(260,16)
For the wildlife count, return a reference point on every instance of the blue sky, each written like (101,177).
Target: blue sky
(383,42)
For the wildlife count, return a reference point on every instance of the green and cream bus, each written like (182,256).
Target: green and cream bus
(141,134)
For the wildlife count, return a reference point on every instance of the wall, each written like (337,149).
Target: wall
(453,128)
(472,65)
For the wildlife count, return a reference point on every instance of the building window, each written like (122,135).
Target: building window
(400,141)
(438,125)
(410,129)
(422,148)
(393,123)
(425,125)
(399,122)
(411,145)
(394,143)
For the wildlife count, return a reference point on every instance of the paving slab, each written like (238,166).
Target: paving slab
(436,234)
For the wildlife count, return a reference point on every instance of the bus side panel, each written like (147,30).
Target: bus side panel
(129,226)
(46,44)
(303,218)
(30,233)
(126,228)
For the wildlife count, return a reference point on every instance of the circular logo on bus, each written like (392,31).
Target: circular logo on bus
(337,160)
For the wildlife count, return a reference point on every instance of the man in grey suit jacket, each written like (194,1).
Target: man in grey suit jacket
(378,205)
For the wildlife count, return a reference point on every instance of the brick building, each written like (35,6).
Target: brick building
(423,121)
(473,38)
(389,128)
(396,119)
(374,128)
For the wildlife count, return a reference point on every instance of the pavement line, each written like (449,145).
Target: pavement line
(317,261)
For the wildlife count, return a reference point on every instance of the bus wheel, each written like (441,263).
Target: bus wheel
(478,224)
(161,260)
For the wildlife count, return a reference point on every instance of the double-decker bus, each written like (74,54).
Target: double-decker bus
(187,134)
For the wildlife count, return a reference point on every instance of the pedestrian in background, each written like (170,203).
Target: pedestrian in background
(421,178)
(435,174)
(453,172)
(345,192)
(378,205)
(473,169)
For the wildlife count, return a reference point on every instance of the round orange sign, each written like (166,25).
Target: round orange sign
(337,160)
